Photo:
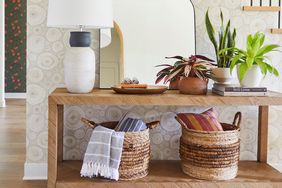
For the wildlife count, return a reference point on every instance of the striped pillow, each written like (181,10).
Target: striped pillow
(131,125)
(206,121)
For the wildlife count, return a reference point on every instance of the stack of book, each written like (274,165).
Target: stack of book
(235,90)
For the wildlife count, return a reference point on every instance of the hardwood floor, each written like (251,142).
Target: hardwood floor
(12,146)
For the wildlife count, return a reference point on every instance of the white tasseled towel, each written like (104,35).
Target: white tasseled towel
(103,154)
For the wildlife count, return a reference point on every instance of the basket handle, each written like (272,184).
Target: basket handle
(88,123)
(237,118)
(153,124)
(181,123)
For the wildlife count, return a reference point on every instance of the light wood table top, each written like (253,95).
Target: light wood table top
(170,98)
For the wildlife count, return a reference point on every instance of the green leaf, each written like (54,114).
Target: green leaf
(272,69)
(164,65)
(234,35)
(254,48)
(230,44)
(175,57)
(257,37)
(249,42)
(204,58)
(175,73)
(199,74)
(230,40)
(178,63)
(159,78)
(262,65)
(221,17)
(224,50)
(275,72)
(211,33)
(245,53)
(266,49)
(262,40)
(249,61)
(243,68)
(223,41)
(166,70)
(234,62)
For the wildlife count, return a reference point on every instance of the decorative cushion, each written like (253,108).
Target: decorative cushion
(128,124)
(206,121)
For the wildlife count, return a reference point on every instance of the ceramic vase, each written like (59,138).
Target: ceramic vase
(193,86)
(252,78)
(173,85)
(222,75)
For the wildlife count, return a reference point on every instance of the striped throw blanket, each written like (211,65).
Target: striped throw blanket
(103,154)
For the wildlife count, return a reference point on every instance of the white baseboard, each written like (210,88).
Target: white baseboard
(277,166)
(15,95)
(35,171)
(2,103)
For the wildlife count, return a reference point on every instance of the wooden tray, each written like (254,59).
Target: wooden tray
(148,90)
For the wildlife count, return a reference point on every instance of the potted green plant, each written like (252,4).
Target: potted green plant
(225,40)
(193,74)
(252,63)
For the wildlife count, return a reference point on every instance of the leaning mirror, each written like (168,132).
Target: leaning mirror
(145,32)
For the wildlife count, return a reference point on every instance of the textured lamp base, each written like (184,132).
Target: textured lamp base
(79,66)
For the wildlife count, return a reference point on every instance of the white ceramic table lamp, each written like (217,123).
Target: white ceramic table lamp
(79,61)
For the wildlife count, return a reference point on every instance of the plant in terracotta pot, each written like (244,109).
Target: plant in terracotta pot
(164,75)
(252,63)
(193,72)
(225,40)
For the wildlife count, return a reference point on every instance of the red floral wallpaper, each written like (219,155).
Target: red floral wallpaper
(15,52)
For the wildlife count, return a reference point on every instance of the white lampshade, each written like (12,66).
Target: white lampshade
(75,13)
(106,38)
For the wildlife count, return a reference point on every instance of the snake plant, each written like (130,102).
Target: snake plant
(225,40)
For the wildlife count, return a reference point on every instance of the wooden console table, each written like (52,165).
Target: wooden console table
(66,174)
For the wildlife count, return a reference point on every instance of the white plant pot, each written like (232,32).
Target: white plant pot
(252,78)
(79,66)
(222,75)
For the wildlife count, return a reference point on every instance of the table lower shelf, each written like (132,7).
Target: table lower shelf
(168,174)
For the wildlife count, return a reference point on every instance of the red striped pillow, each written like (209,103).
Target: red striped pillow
(206,121)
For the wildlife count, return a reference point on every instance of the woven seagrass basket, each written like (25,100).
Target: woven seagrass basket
(135,153)
(211,155)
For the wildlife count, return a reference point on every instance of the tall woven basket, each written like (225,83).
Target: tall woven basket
(135,153)
(211,155)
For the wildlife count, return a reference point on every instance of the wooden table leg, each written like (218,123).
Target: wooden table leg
(262,134)
(55,140)
(60,133)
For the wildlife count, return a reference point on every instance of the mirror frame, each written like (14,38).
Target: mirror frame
(119,32)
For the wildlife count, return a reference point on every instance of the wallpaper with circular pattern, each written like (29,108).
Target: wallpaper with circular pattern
(46,48)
